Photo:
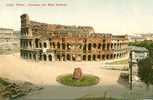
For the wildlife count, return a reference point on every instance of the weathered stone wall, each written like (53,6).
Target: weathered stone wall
(9,41)
(51,42)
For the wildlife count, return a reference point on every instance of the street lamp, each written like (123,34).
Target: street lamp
(130,68)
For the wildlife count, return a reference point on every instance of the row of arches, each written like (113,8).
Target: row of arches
(71,57)
(34,56)
(66,46)
(45,57)
(91,57)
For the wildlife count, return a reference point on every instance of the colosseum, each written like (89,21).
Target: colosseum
(54,42)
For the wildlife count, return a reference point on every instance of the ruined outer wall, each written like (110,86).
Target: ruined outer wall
(52,42)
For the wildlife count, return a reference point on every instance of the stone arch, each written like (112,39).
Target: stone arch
(36,42)
(111,56)
(34,56)
(89,57)
(117,55)
(89,46)
(94,45)
(68,57)
(84,57)
(94,57)
(115,45)
(114,55)
(45,57)
(45,45)
(104,45)
(99,46)
(107,56)
(103,57)
(40,57)
(30,43)
(63,57)
(84,47)
(63,46)
(58,45)
(120,55)
(50,57)
(108,46)
(111,45)
(30,56)
(98,56)
(40,45)
(58,57)
(68,46)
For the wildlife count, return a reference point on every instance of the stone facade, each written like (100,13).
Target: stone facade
(52,42)
(9,41)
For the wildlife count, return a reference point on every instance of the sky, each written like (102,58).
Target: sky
(106,16)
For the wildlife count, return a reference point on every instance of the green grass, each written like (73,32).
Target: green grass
(98,98)
(86,80)
(3,82)
(120,62)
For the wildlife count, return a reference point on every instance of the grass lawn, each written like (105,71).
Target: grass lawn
(98,98)
(86,80)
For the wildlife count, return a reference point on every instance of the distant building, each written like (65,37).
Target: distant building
(135,38)
(140,37)
(8,40)
(139,52)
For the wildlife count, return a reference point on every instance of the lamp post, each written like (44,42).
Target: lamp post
(130,68)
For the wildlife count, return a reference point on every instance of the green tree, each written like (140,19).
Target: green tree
(145,71)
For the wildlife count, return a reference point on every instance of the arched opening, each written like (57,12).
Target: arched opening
(94,45)
(58,45)
(63,46)
(89,46)
(36,42)
(108,46)
(34,56)
(84,57)
(94,57)
(63,56)
(45,45)
(40,45)
(114,55)
(120,55)
(111,45)
(84,48)
(115,46)
(107,56)
(98,57)
(103,46)
(99,46)
(29,55)
(53,45)
(30,44)
(68,46)
(50,57)
(73,57)
(68,57)
(117,55)
(89,57)
(111,57)
(45,57)
(40,57)
(58,57)
(103,57)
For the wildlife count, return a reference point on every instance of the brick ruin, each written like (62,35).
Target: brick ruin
(54,42)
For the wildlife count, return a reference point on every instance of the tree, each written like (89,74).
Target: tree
(145,71)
